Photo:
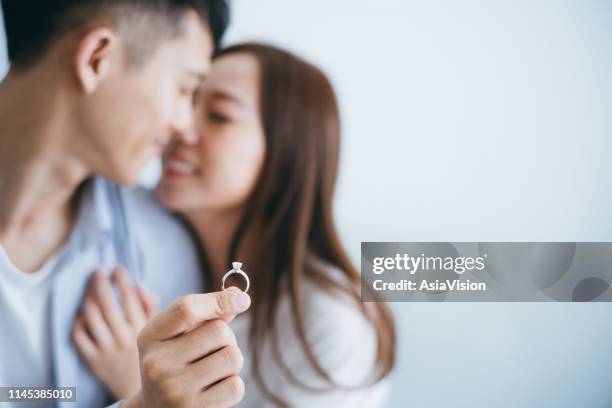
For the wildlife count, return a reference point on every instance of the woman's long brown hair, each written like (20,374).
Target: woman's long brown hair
(292,201)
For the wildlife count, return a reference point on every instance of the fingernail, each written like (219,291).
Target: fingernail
(240,300)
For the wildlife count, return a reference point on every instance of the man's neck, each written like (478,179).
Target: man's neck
(38,177)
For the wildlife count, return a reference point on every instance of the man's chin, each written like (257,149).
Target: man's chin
(127,178)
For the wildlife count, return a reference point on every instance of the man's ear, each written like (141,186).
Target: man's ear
(95,54)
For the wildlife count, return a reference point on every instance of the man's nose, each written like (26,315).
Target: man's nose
(184,126)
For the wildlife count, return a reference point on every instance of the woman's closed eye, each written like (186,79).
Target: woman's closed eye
(218,117)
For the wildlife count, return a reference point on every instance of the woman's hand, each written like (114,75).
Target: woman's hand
(106,336)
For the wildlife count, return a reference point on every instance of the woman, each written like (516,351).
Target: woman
(257,187)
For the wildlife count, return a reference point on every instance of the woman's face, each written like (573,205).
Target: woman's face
(219,171)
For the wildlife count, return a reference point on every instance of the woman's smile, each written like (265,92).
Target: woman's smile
(176,166)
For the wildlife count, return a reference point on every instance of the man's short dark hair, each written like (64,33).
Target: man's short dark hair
(32,26)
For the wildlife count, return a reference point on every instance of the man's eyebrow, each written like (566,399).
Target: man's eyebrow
(199,75)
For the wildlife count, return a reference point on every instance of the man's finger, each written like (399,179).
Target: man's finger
(219,365)
(190,310)
(226,393)
(205,339)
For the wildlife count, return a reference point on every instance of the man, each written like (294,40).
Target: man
(95,89)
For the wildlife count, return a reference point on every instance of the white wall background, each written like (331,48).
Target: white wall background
(477,121)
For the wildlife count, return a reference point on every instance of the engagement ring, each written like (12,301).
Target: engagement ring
(236,269)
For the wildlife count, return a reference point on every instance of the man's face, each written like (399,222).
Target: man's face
(135,112)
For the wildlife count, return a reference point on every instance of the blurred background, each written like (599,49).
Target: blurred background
(470,121)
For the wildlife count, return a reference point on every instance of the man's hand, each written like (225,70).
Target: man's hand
(188,353)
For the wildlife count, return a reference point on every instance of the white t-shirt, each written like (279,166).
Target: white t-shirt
(24,319)
(343,341)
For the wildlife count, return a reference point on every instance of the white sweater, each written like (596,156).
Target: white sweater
(341,338)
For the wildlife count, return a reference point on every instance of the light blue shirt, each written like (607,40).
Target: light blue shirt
(114,226)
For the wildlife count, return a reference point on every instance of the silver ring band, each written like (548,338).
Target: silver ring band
(236,270)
